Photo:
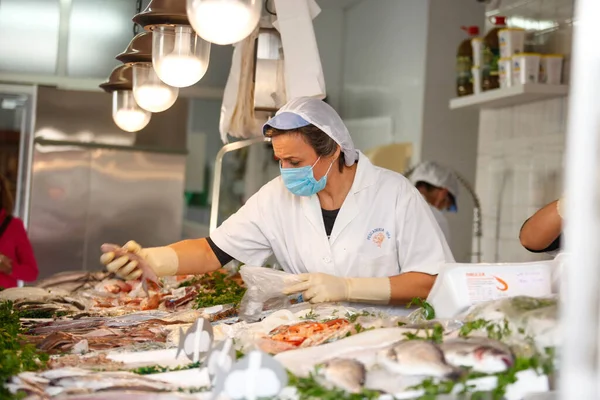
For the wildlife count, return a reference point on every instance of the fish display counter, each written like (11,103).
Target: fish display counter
(91,336)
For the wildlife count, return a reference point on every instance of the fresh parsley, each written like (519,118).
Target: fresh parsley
(352,317)
(312,315)
(15,356)
(218,290)
(157,369)
(428,310)
(310,389)
(494,330)
(435,334)
(542,363)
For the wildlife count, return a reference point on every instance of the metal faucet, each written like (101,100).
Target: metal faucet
(477,223)
(216,187)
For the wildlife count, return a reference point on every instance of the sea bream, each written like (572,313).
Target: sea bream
(148,273)
(345,373)
(479,353)
(417,357)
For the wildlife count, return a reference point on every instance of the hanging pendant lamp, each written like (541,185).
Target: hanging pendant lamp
(126,113)
(149,91)
(179,56)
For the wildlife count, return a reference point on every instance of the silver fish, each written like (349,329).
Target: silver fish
(417,357)
(344,373)
(148,273)
(112,381)
(481,354)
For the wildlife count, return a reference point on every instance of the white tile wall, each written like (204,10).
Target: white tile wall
(520,149)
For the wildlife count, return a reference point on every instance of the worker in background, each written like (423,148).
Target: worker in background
(439,187)
(352,231)
(17,261)
(542,232)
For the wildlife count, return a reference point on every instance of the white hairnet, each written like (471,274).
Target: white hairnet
(321,115)
(436,175)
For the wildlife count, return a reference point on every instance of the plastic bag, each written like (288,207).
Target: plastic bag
(264,291)
(527,317)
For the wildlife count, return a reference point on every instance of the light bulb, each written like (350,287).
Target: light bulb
(179,56)
(127,115)
(224,21)
(149,91)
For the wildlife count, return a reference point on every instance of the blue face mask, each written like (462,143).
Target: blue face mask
(301,181)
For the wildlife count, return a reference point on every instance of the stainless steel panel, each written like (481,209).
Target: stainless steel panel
(87,117)
(134,195)
(59,206)
(84,197)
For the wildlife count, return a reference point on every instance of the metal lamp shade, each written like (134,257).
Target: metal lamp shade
(138,50)
(162,12)
(121,78)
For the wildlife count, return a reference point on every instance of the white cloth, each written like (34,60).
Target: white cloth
(324,117)
(384,227)
(302,62)
(442,222)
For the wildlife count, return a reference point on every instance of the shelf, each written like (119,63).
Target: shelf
(510,96)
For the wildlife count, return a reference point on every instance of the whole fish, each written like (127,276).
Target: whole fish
(479,353)
(148,273)
(417,357)
(112,381)
(344,373)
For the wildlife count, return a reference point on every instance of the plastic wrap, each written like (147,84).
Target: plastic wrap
(264,291)
(527,318)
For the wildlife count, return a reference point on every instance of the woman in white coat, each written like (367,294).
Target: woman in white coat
(355,232)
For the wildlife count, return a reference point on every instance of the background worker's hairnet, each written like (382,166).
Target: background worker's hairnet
(303,111)
(439,176)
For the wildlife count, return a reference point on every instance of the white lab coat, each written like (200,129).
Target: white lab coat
(442,222)
(384,227)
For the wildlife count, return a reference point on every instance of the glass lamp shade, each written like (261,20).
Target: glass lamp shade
(224,21)
(179,56)
(149,91)
(126,113)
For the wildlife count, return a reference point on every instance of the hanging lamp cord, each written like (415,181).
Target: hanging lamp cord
(138,9)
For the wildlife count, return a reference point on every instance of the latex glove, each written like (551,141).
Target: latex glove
(320,288)
(163,260)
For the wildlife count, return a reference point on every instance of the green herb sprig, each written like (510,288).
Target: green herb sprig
(157,369)
(15,357)
(310,389)
(428,310)
(497,331)
(224,291)
(435,334)
(311,315)
(352,317)
(542,363)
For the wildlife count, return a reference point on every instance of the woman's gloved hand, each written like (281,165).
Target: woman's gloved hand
(321,288)
(163,260)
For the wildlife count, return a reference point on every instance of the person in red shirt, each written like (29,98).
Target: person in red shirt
(17,261)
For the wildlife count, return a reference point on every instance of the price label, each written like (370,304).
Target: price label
(255,376)
(221,358)
(197,340)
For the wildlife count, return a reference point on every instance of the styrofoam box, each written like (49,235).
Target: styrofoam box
(459,286)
